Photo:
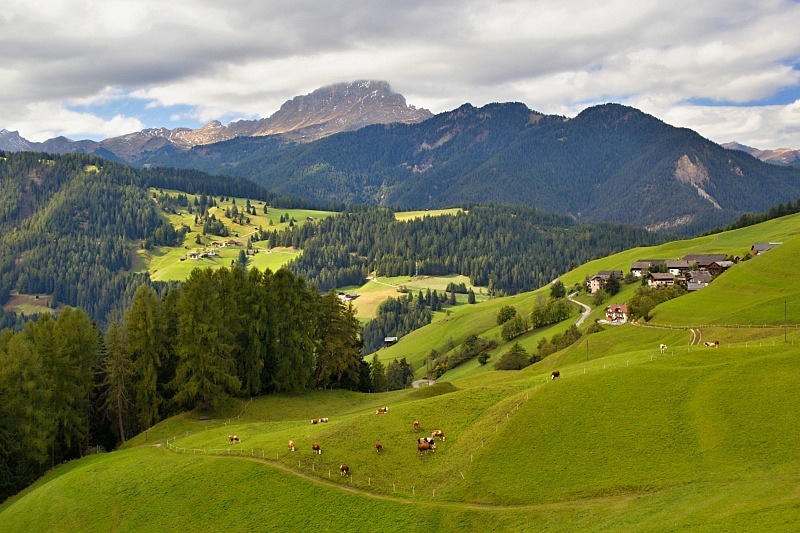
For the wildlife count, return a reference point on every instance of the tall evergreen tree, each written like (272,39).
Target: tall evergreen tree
(205,376)
(338,356)
(146,338)
(118,376)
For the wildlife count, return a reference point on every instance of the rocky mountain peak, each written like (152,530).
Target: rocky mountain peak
(340,107)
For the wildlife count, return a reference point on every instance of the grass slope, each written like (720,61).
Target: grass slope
(629,439)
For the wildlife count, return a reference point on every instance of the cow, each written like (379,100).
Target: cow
(324,420)
(233,439)
(714,344)
(291,445)
(555,374)
(344,470)
(316,449)
(429,440)
(416,425)
(378,447)
(424,446)
(663,348)
(314,421)
(381,410)
(437,433)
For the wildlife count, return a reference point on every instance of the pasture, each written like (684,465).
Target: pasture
(630,441)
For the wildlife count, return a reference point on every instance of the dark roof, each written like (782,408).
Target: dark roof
(764,246)
(704,259)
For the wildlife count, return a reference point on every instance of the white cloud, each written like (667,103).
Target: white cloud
(244,58)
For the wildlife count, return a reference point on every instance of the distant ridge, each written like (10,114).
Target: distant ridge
(779,156)
(325,111)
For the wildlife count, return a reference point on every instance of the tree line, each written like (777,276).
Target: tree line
(67,386)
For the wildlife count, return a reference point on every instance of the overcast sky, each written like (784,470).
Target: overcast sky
(91,69)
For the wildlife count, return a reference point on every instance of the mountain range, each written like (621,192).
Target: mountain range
(325,111)
(360,143)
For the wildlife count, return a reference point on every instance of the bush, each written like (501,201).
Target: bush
(514,359)
(505,314)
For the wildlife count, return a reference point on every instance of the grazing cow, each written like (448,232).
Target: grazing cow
(428,440)
(555,374)
(344,470)
(291,445)
(316,449)
(378,447)
(416,425)
(381,410)
(424,446)
(437,433)
(714,344)
(663,348)
(323,420)
(314,421)
(233,439)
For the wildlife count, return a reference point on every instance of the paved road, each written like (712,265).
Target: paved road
(417,383)
(586,309)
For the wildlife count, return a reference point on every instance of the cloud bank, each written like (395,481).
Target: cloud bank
(95,69)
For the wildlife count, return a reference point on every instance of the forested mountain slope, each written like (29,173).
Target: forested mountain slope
(610,163)
(69,225)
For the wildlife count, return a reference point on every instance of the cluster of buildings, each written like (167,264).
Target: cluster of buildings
(693,271)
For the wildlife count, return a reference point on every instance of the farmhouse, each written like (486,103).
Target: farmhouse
(389,341)
(718,266)
(617,313)
(598,282)
(640,267)
(659,279)
(678,267)
(761,247)
(697,279)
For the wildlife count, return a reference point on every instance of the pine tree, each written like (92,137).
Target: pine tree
(118,378)
(377,375)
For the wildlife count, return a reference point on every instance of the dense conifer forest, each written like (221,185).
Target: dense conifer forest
(510,249)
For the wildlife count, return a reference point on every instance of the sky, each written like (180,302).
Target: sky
(93,69)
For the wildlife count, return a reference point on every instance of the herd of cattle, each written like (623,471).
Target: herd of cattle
(424,444)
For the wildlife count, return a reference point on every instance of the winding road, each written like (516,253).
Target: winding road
(586,309)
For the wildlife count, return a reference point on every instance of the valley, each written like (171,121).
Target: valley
(628,438)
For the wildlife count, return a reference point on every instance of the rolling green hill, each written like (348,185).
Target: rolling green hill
(628,439)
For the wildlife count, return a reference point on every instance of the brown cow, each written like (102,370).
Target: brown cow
(416,425)
(378,447)
(555,374)
(429,440)
(316,449)
(437,433)
(314,421)
(424,446)
(381,410)
(344,470)
(291,445)
(233,439)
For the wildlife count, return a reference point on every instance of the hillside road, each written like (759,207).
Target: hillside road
(586,309)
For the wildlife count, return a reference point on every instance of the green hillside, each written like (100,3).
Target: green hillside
(628,439)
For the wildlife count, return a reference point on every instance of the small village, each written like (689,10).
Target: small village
(693,272)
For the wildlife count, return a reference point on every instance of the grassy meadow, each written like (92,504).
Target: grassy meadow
(628,439)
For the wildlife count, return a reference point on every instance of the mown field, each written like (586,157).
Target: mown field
(628,439)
